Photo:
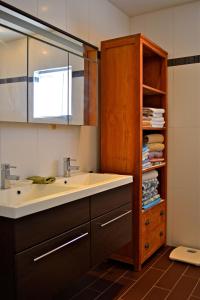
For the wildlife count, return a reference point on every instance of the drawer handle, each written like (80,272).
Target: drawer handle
(60,247)
(161,233)
(146,246)
(147,222)
(162,213)
(115,219)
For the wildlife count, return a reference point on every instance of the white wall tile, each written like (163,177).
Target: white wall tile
(186,94)
(170,96)
(106,21)
(78,18)
(19,148)
(53,12)
(183,217)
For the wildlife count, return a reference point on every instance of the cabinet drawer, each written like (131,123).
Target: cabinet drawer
(110,232)
(36,228)
(106,201)
(151,242)
(153,218)
(47,268)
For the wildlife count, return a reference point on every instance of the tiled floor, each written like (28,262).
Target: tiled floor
(159,279)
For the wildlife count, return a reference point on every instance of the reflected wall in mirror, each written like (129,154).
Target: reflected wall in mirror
(50,87)
(76,64)
(13,76)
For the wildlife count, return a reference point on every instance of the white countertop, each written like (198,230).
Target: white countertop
(23,200)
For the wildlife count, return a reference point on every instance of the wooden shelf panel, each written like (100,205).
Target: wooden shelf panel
(154,167)
(148,90)
(153,128)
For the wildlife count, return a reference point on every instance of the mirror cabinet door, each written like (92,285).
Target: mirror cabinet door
(13,76)
(49,83)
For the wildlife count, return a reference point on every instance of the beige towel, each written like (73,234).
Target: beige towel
(154,138)
(156,147)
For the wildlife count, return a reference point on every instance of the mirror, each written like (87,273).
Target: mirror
(13,76)
(46,72)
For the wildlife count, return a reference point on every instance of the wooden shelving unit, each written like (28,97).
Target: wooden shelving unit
(133,76)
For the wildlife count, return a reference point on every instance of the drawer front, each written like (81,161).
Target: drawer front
(110,232)
(44,270)
(151,242)
(153,218)
(107,201)
(36,228)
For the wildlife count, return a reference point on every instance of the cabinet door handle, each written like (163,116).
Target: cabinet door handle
(60,247)
(146,246)
(115,219)
(161,233)
(162,213)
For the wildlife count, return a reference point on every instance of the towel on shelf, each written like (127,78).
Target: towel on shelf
(153,110)
(156,147)
(155,154)
(149,175)
(42,180)
(154,138)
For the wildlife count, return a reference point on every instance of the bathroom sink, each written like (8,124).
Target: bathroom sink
(19,195)
(19,201)
(88,179)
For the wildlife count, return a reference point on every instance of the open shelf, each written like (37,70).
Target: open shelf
(154,167)
(148,90)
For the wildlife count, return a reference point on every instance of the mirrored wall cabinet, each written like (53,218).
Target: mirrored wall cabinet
(46,74)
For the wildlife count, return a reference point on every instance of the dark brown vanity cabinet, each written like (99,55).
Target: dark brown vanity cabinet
(44,252)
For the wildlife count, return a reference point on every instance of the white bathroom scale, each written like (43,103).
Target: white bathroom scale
(186,254)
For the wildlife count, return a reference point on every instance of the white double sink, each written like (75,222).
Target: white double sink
(25,199)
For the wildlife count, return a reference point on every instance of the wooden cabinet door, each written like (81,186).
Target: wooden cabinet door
(110,232)
(44,270)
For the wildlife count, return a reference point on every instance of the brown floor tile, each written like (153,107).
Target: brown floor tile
(183,289)
(194,298)
(193,271)
(197,290)
(112,275)
(172,275)
(116,289)
(156,294)
(142,286)
(163,262)
(87,294)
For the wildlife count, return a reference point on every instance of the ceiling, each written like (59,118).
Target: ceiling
(137,7)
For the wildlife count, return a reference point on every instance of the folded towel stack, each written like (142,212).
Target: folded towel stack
(145,157)
(153,117)
(150,196)
(42,180)
(155,144)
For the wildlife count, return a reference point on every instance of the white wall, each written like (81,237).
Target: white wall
(178,31)
(39,149)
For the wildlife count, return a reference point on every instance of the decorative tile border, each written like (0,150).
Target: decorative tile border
(195,59)
(31,79)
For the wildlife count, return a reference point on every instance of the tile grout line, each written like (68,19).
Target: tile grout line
(177,282)
(170,266)
(88,286)
(162,288)
(191,294)
(111,285)
(123,294)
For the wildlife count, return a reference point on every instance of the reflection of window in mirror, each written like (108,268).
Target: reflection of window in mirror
(52,92)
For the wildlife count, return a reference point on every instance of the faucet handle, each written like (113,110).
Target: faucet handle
(13,167)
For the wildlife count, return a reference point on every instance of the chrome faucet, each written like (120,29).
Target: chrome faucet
(68,167)
(5,176)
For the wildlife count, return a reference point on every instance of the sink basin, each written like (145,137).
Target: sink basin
(88,179)
(31,192)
